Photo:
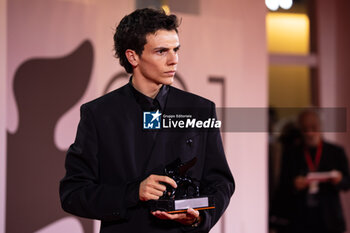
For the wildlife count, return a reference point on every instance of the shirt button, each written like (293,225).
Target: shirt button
(189,142)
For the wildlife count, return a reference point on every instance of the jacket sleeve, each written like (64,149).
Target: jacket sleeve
(343,166)
(217,179)
(81,193)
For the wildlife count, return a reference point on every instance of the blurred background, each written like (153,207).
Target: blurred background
(276,55)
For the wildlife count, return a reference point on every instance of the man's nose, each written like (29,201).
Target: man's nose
(173,58)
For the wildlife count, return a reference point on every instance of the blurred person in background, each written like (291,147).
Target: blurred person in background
(314,173)
(280,195)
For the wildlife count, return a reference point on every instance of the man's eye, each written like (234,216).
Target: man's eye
(161,52)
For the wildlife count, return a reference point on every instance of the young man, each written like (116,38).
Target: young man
(114,167)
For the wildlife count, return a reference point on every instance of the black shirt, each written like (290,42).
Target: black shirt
(147,103)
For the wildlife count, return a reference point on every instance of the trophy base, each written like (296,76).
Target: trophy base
(181,205)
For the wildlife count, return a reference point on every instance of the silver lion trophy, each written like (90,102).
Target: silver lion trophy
(186,195)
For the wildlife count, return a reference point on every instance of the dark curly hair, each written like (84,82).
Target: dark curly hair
(133,28)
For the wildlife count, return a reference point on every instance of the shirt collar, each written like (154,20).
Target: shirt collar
(147,103)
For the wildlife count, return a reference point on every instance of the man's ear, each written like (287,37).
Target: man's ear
(132,57)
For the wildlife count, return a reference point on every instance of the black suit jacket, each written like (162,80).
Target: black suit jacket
(328,214)
(111,155)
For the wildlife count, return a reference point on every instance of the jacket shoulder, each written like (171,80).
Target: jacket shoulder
(333,147)
(184,98)
(113,99)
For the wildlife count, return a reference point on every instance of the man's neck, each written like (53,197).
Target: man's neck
(146,87)
(315,143)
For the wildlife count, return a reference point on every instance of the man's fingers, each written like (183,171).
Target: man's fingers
(165,215)
(152,197)
(167,180)
(164,179)
(152,189)
(187,218)
(156,193)
(162,215)
(192,212)
(159,187)
(152,193)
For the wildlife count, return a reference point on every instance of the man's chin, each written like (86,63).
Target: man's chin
(312,142)
(168,81)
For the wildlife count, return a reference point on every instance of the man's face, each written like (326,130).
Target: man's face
(311,129)
(159,58)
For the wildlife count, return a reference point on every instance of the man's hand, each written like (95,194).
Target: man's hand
(301,183)
(151,189)
(188,218)
(337,176)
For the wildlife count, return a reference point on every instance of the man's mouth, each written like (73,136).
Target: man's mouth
(172,72)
